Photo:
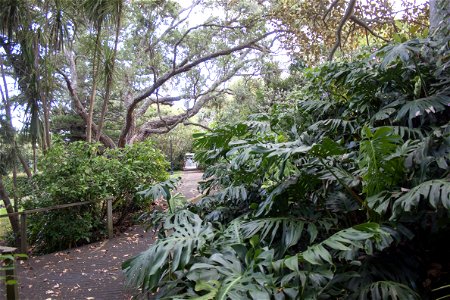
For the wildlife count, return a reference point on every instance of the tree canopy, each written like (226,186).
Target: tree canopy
(95,69)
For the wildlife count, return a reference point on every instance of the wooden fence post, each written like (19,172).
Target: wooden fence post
(23,233)
(12,290)
(110,218)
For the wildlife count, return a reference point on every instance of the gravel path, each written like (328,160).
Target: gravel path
(92,271)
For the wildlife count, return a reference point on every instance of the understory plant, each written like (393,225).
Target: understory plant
(80,171)
(341,191)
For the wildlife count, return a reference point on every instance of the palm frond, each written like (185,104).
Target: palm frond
(341,202)
(379,172)
(407,132)
(229,236)
(316,106)
(392,53)
(289,229)
(334,125)
(236,280)
(435,192)
(386,290)
(102,10)
(161,189)
(347,243)
(422,106)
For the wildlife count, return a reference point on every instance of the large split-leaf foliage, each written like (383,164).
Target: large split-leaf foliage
(341,191)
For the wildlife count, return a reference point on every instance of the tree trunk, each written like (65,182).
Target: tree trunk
(16,200)
(34,157)
(14,220)
(109,78)
(46,99)
(7,105)
(72,86)
(25,166)
(439,17)
(46,119)
(95,65)
(37,75)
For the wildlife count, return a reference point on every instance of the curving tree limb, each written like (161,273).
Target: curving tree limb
(158,126)
(366,27)
(184,66)
(72,86)
(348,13)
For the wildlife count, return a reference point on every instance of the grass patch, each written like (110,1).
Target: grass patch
(5,226)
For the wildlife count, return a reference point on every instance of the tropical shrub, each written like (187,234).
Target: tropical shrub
(79,171)
(341,191)
(23,186)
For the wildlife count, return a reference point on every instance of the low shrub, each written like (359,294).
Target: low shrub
(79,171)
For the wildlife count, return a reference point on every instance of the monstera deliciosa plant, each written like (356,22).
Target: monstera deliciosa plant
(342,191)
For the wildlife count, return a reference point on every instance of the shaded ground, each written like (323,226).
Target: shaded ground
(189,183)
(92,271)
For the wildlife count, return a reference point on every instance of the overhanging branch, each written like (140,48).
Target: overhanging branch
(348,13)
(183,67)
(159,126)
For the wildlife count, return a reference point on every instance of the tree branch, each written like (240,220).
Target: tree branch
(194,28)
(173,25)
(187,123)
(72,86)
(158,126)
(330,8)
(167,100)
(348,13)
(178,70)
(366,27)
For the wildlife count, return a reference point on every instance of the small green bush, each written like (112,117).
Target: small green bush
(22,184)
(80,171)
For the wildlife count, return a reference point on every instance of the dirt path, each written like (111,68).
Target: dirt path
(189,183)
(92,271)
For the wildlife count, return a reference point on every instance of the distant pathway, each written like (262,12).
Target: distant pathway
(189,183)
(92,271)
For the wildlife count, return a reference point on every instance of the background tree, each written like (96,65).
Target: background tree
(169,50)
(68,59)
(318,29)
(7,159)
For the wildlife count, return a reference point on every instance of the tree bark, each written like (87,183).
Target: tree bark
(42,94)
(439,17)
(182,67)
(14,220)
(45,106)
(72,86)
(95,65)
(33,146)
(25,166)
(109,79)
(7,105)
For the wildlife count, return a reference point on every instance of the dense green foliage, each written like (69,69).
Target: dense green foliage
(341,190)
(80,171)
(175,144)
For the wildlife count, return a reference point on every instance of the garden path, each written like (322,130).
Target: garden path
(92,271)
